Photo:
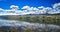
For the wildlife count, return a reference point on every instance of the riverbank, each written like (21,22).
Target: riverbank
(47,19)
(42,23)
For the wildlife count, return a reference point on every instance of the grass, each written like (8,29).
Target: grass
(50,19)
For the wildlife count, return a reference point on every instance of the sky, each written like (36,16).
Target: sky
(31,6)
(5,4)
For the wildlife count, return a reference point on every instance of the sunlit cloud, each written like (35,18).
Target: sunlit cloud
(41,7)
(25,7)
(47,9)
(56,7)
(1,9)
(13,7)
(29,10)
(32,10)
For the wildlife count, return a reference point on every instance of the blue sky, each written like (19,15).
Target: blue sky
(5,4)
(30,6)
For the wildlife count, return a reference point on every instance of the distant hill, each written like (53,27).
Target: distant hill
(17,16)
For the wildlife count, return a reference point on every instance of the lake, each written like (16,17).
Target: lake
(27,25)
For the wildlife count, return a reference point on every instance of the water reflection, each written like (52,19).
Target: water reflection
(10,24)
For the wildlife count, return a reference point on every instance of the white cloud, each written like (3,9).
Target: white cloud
(25,7)
(1,9)
(45,10)
(56,5)
(30,10)
(34,10)
(14,7)
(41,7)
(56,8)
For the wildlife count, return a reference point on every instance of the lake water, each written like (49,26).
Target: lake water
(27,25)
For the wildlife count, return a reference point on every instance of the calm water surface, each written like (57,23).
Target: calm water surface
(27,25)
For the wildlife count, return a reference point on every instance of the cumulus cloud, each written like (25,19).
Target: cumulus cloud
(1,9)
(56,6)
(45,10)
(30,10)
(14,7)
(25,7)
(41,7)
(35,10)
(55,9)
